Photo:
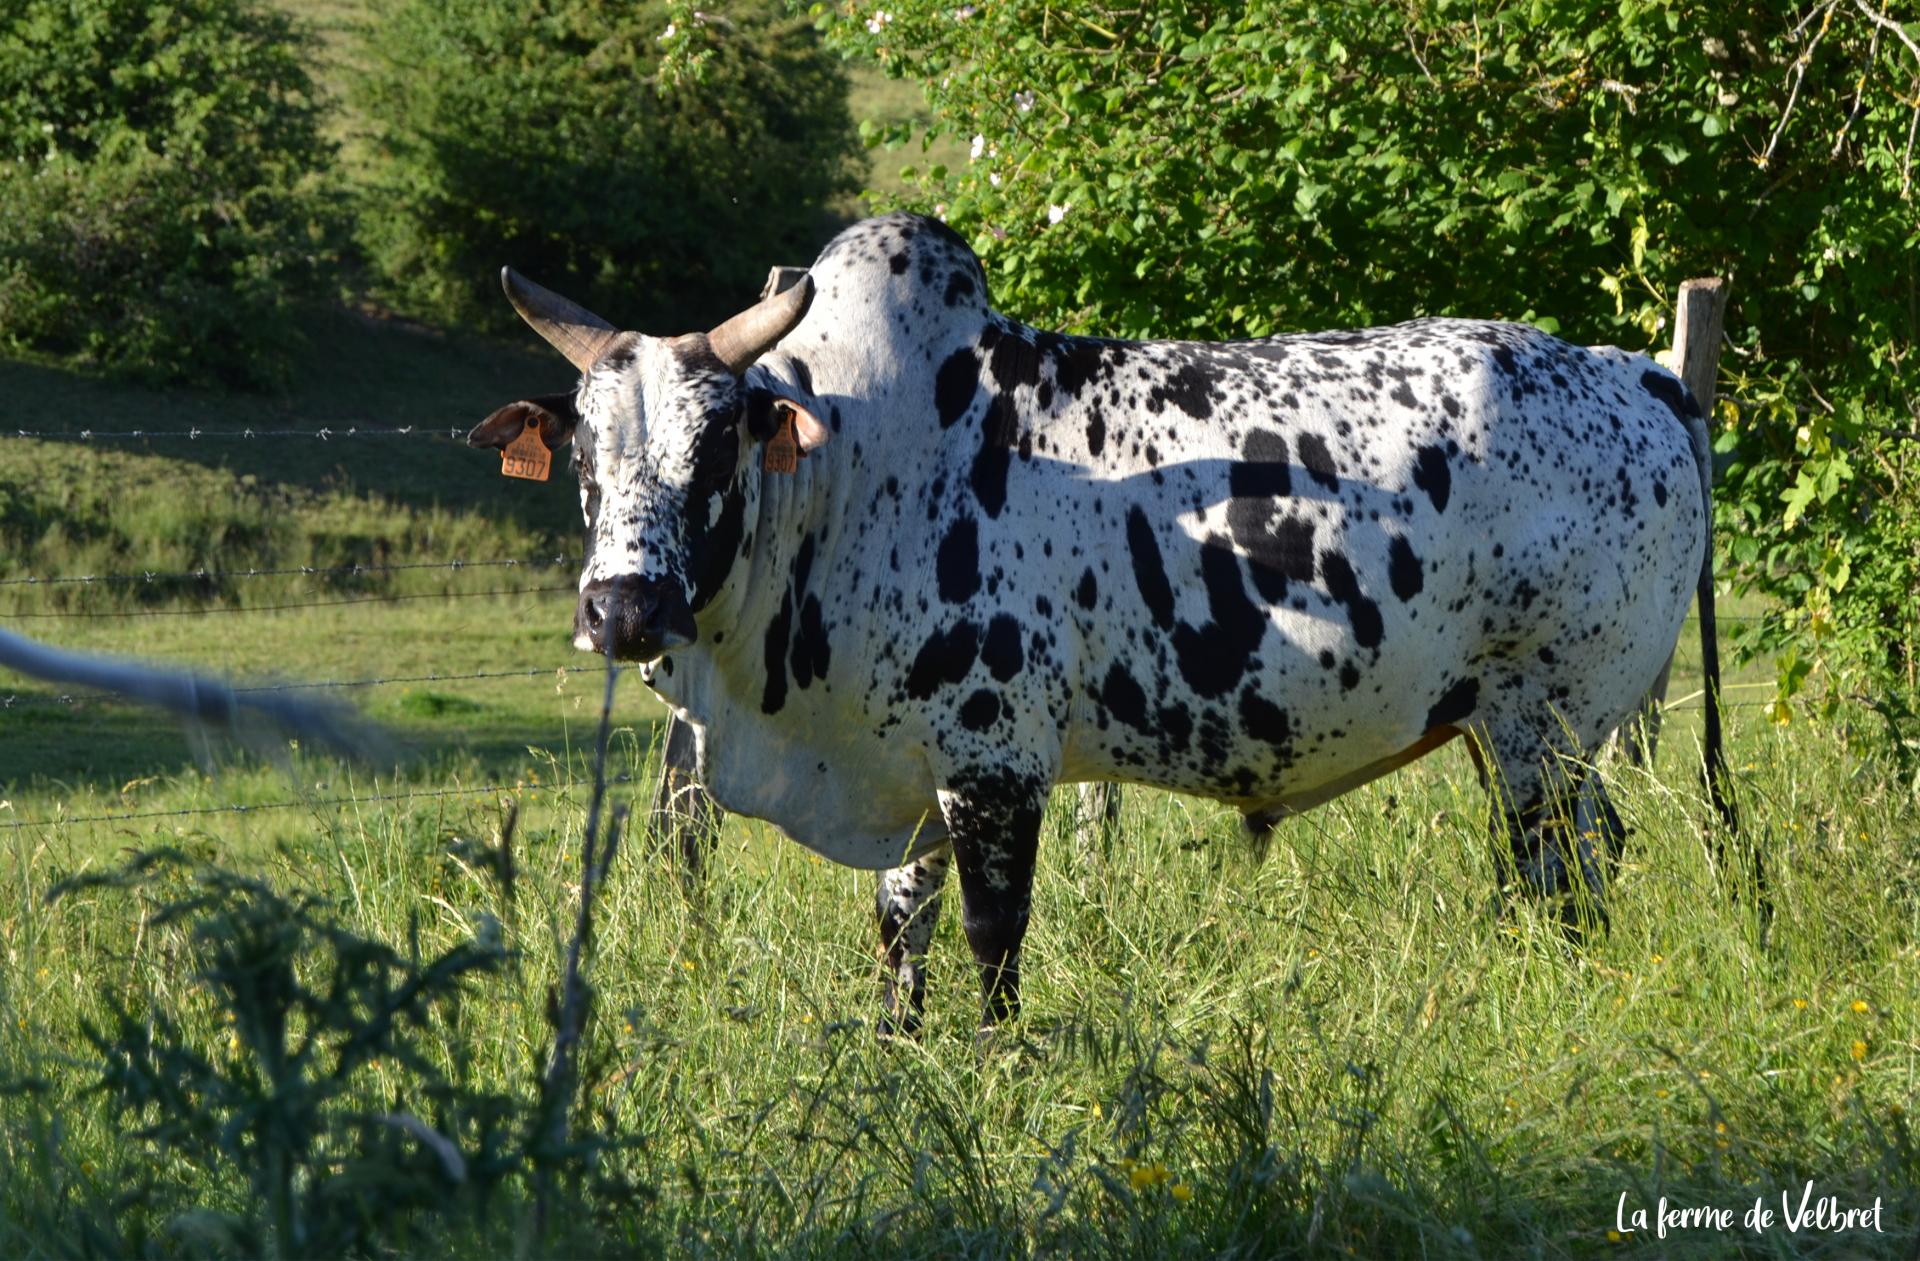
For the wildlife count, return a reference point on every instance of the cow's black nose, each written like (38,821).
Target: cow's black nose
(638,618)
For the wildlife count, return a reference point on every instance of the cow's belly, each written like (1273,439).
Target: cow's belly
(1506,630)
(1279,740)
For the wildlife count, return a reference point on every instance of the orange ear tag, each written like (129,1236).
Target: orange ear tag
(527,456)
(782,452)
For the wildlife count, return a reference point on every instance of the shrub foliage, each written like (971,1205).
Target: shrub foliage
(157,165)
(1191,168)
(545,135)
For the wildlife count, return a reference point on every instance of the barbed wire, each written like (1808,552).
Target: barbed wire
(326,433)
(311,802)
(275,608)
(316,571)
(360,799)
(15,701)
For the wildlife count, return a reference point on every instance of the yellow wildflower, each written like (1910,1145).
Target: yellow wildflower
(1800,1004)
(1181,1192)
(1860,1007)
(1613,1236)
(1858,1050)
(1144,1177)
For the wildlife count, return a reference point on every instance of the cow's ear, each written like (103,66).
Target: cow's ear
(768,413)
(806,426)
(553,412)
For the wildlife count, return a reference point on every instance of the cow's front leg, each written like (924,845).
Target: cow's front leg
(994,826)
(908,904)
(688,821)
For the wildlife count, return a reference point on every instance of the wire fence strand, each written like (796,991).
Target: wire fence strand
(65,614)
(68,699)
(311,571)
(341,431)
(296,803)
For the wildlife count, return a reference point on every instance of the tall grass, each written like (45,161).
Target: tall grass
(1343,1050)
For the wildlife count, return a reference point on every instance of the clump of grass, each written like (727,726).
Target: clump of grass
(333,1108)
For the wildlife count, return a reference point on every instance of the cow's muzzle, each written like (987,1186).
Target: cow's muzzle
(638,618)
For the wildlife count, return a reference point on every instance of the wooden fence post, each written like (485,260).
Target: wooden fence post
(1699,318)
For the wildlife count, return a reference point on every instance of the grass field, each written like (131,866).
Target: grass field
(1341,1050)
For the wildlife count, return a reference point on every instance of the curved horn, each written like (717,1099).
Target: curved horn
(569,328)
(752,333)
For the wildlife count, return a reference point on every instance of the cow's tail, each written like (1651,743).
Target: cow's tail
(1716,768)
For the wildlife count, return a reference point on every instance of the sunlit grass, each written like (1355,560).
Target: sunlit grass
(1342,1048)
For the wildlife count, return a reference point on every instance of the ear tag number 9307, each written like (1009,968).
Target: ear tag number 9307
(527,456)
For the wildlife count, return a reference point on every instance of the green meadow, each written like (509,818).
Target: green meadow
(322,1024)
(1344,1048)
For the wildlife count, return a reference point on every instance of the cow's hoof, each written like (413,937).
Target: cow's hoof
(1005,1043)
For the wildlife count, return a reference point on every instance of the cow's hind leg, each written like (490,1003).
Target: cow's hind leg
(1595,819)
(1096,819)
(908,905)
(993,822)
(1552,821)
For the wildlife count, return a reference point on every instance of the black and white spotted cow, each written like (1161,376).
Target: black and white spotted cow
(1264,572)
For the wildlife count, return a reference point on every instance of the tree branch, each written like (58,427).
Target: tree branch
(1800,65)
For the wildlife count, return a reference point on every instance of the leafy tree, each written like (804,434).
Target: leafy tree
(545,135)
(157,162)
(1198,168)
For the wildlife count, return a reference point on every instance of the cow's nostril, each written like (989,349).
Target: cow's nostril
(594,616)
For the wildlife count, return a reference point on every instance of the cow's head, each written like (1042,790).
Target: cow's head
(662,428)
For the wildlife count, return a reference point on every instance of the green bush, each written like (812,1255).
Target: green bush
(545,135)
(157,203)
(1192,168)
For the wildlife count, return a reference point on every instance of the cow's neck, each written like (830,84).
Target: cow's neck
(782,512)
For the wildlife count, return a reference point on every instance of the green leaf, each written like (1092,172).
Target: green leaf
(1798,499)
